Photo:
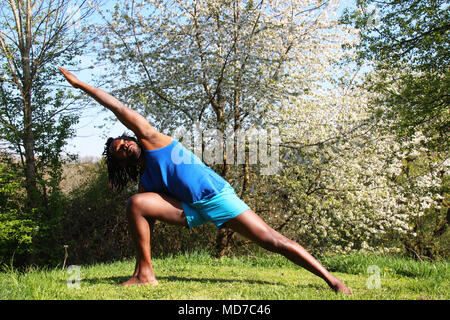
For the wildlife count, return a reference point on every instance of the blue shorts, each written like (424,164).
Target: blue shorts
(219,209)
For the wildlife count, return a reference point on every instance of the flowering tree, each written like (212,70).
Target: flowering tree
(274,63)
(215,62)
(221,64)
(346,184)
(412,38)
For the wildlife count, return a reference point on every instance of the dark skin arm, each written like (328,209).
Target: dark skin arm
(149,137)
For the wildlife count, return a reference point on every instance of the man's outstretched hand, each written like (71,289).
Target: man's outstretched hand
(70,78)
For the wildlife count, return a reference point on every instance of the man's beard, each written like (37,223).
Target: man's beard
(135,153)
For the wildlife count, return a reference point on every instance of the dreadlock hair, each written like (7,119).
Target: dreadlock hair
(119,177)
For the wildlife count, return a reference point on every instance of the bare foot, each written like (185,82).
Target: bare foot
(140,280)
(342,289)
(338,286)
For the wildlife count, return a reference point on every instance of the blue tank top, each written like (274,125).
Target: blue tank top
(175,170)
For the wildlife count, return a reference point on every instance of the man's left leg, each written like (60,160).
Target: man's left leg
(251,226)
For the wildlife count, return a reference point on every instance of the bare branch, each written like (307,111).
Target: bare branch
(12,65)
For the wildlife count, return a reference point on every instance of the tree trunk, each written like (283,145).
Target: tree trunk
(28,135)
(29,144)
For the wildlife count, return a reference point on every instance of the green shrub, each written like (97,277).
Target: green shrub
(17,228)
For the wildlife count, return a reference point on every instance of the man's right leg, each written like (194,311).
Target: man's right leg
(143,209)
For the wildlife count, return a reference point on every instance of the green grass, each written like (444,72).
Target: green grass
(198,276)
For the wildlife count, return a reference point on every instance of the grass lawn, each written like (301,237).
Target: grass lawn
(197,276)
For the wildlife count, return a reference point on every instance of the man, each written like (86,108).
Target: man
(177,188)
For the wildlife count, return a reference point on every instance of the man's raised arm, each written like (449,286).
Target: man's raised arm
(129,118)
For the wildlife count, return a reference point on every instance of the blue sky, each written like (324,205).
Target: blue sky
(95,124)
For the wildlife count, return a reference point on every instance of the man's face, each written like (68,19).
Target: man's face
(127,152)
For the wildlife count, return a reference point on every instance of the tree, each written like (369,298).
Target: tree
(36,37)
(276,63)
(220,64)
(16,228)
(408,43)
(345,185)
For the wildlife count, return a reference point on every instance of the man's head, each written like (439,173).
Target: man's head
(126,150)
(123,159)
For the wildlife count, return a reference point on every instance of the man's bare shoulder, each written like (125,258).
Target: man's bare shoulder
(155,141)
